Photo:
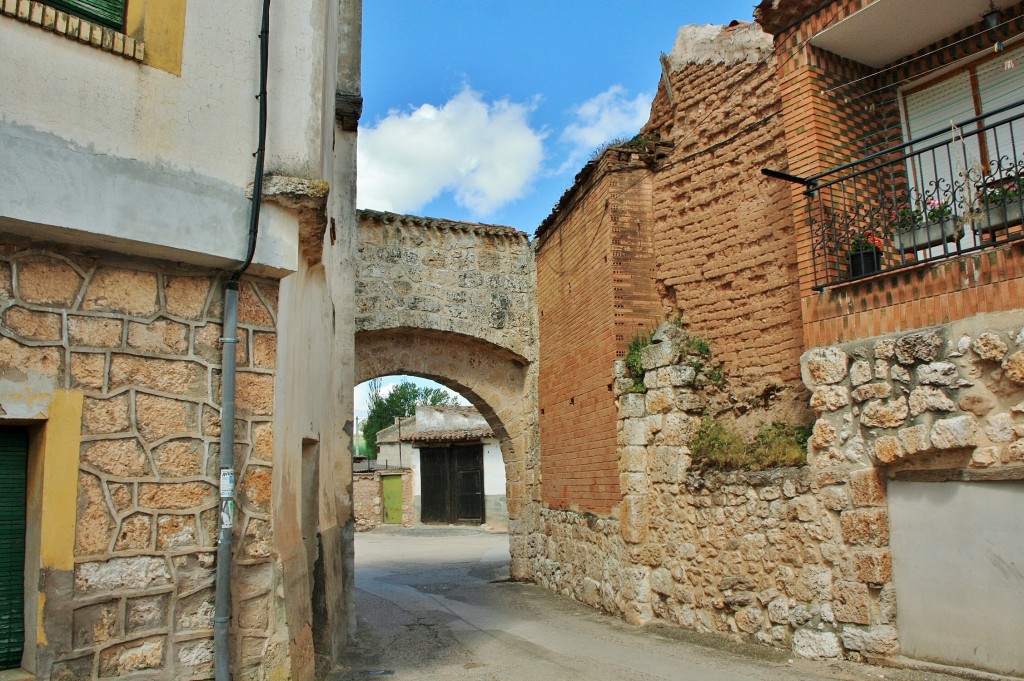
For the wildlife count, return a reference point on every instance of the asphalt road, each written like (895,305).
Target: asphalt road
(435,603)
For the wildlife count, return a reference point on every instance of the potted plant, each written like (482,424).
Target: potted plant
(865,253)
(999,205)
(931,225)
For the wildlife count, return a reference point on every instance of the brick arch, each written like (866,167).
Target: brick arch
(498,382)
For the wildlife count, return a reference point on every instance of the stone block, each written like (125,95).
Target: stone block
(633,518)
(162,337)
(263,441)
(851,602)
(195,612)
(657,355)
(657,401)
(860,372)
(186,296)
(1000,427)
(33,325)
(872,567)
(257,542)
(135,656)
(251,307)
(633,459)
(94,332)
(877,640)
(96,624)
(824,366)
(871,391)
(254,613)
(885,414)
(176,531)
(816,645)
(978,401)
(95,524)
(44,280)
(158,417)
(101,417)
(139,572)
(867,487)
(865,527)
(253,580)
(179,458)
(885,348)
(636,432)
(196,658)
(18,362)
(928,398)
(983,457)
(264,350)
(1013,367)
(123,458)
(131,292)
(136,533)
(254,394)
(955,433)
(916,439)
(823,434)
(88,370)
(122,494)
(899,373)
(175,377)
(176,496)
(989,346)
(677,375)
(679,429)
(938,373)
(255,488)
(924,346)
(830,398)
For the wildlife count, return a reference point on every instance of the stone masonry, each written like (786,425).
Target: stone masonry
(794,558)
(140,341)
(368,502)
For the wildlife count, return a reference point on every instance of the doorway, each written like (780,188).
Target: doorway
(13,478)
(453,484)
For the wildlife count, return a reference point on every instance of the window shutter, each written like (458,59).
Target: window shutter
(13,473)
(109,13)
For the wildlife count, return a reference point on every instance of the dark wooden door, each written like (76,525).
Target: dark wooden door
(452,484)
(434,488)
(13,475)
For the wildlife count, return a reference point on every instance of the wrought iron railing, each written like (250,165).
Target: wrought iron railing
(951,192)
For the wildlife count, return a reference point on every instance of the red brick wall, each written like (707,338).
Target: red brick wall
(723,232)
(826,127)
(594,292)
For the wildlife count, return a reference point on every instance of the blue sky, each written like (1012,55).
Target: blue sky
(485,110)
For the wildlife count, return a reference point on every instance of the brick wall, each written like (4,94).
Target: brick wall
(724,233)
(594,293)
(828,122)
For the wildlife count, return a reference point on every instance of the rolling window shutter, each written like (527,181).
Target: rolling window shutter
(13,472)
(109,13)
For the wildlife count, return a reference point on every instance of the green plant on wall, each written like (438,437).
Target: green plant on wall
(634,363)
(776,445)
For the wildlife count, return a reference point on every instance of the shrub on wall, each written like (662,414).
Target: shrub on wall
(776,445)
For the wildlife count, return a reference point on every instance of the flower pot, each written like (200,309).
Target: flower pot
(865,262)
(995,217)
(927,235)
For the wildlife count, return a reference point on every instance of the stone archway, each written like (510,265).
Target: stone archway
(498,382)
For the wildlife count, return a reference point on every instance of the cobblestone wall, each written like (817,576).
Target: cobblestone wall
(795,557)
(368,504)
(140,341)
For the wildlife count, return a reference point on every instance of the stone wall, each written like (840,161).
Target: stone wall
(794,558)
(139,340)
(368,503)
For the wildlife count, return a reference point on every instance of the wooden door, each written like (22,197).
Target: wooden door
(434,488)
(391,491)
(468,474)
(452,484)
(13,476)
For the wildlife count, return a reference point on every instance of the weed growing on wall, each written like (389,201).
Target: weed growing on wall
(633,362)
(776,445)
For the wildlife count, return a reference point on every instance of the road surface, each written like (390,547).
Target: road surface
(435,603)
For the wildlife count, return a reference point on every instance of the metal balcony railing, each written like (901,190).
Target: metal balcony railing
(951,192)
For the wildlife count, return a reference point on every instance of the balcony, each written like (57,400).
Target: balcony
(939,196)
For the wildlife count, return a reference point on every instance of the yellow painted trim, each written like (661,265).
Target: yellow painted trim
(62,440)
(160,25)
(40,629)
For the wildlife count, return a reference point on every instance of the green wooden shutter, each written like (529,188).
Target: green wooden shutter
(13,473)
(106,12)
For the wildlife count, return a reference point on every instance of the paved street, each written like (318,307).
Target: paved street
(435,603)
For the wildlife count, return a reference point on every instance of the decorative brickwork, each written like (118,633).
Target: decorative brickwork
(139,340)
(595,292)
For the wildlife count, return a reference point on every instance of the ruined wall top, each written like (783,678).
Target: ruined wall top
(467,278)
(711,44)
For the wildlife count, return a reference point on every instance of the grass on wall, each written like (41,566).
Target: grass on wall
(777,445)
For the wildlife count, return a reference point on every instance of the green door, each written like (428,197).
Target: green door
(13,473)
(391,490)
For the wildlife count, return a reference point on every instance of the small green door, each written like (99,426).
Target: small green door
(391,490)
(13,474)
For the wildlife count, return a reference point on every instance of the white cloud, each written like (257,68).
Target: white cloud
(485,154)
(601,119)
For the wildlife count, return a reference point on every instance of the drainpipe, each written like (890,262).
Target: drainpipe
(229,342)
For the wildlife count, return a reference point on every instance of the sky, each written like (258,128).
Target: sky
(485,110)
